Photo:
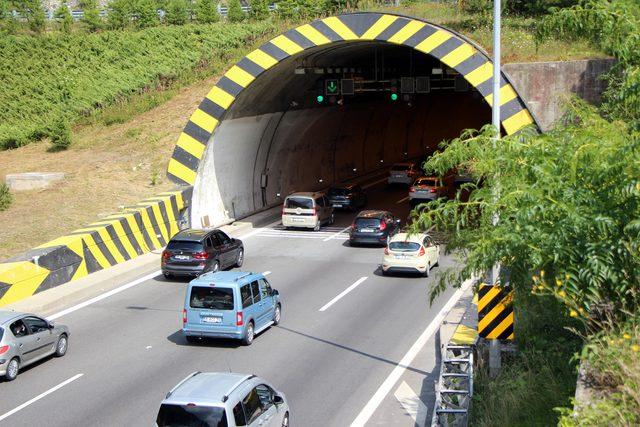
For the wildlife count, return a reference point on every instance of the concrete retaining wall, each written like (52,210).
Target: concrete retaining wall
(546,85)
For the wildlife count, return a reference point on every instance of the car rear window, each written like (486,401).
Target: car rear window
(404,246)
(399,168)
(427,181)
(338,191)
(367,222)
(212,298)
(185,245)
(299,202)
(191,416)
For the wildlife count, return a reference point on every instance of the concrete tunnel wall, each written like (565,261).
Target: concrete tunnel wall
(295,149)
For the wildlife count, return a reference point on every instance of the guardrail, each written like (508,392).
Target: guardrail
(77,15)
(454,389)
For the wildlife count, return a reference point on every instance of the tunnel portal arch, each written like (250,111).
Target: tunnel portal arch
(455,51)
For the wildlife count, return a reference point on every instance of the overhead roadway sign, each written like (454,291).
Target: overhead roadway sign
(332,87)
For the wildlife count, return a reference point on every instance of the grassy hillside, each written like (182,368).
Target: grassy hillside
(53,76)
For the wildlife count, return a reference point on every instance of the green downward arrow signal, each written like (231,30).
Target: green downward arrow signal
(332,86)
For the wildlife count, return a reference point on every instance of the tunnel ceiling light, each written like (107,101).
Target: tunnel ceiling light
(437,71)
(299,70)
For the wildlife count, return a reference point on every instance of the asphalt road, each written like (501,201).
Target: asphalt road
(130,351)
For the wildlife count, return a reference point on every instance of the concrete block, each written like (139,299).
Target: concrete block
(32,180)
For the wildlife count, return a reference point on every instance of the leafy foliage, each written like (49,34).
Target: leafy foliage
(206,12)
(235,13)
(63,16)
(5,197)
(568,203)
(91,17)
(119,16)
(176,13)
(60,135)
(47,77)
(146,13)
(32,11)
(259,9)
(615,27)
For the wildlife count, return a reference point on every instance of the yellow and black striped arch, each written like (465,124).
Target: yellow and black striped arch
(450,48)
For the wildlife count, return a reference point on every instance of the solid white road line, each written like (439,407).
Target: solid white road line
(397,372)
(40,396)
(336,234)
(411,403)
(105,295)
(402,200)
(343,293)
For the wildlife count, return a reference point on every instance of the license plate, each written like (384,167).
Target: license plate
(297,219)
(182,257)
(337,206)
(367,230)
(401,256)
(212,320)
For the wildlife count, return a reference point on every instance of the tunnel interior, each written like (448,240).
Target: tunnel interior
(293,129)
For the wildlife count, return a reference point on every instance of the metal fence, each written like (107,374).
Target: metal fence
(454,388)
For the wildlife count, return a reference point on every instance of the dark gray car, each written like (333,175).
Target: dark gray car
(194,252)
(26,338)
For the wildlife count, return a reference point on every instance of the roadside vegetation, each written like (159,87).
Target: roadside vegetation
(125,85)
(568,234)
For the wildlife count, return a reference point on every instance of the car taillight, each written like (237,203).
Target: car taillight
(4,349)
(386,251)
(314,212)
(353,225)
(200,255)
(239,319)
(166,255)
(184,316)
(283,208)
(412,189)
(433,190)
(421,253)
(383,225)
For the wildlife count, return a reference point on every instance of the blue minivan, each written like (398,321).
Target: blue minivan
(229,304)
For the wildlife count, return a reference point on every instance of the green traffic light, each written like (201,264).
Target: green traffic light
(320,98)
(394,96)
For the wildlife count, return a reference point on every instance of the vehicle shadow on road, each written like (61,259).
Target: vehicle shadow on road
(178,338)
(353,350)
(378,272)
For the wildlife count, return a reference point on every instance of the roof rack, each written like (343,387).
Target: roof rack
(236,385)
(182,382)
(242,276)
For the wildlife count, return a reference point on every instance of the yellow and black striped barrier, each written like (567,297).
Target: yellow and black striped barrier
(495,312)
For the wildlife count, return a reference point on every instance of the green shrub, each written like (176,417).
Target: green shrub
(60,135)
(146,13)
(235,13)
(91,17)
(63,16)
(176,13)
(5,197)
(206,12)
(119,16)
(259,9)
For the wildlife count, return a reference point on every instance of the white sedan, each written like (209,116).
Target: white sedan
(410,253)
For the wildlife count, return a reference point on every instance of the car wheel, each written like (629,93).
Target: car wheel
(277,314)
(248,337)
(12,369)
(240,258)
(285,420)
(437,263)
(317,226)
(168,276)
(426,272)
(62,345)
(332,219)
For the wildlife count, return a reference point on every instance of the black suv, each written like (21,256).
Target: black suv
(194,252)
(347,196)
(373,227)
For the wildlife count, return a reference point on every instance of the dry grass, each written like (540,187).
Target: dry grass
(106,167)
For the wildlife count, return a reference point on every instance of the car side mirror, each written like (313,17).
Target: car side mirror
(275,292)
(50,325)
(278,400)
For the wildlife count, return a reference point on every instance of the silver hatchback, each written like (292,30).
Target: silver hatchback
(26,338)
(214,399)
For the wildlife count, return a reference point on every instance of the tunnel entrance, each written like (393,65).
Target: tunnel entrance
(328,102)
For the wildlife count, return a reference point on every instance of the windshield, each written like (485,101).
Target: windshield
(399,168)
(338,192)
(191,416)
(212,298)
(404,246)
(430,182)
(299,202)
(184,245)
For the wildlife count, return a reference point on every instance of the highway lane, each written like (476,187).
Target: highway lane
(329,363)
